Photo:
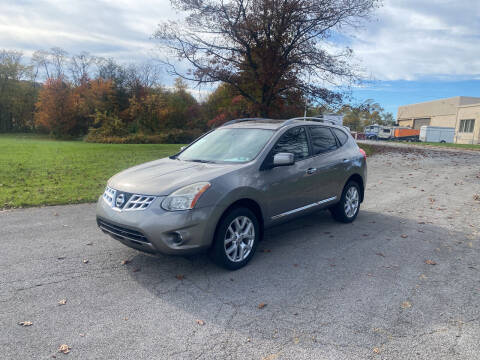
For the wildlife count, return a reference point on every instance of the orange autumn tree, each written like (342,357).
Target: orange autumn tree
(57,109)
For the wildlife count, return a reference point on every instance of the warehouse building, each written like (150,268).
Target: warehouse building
(460,112)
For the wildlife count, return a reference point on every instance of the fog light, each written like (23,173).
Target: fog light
(177,238)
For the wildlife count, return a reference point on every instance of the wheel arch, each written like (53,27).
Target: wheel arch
(249,204)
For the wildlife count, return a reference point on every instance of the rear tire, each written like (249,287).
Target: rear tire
(346,210)
(236,239)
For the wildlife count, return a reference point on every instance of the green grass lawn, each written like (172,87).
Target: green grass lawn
(35,170)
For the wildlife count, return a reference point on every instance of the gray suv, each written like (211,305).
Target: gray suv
(220,192)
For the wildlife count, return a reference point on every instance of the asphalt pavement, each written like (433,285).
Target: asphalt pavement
(401,282)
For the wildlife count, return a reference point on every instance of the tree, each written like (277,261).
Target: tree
(17,98)
(57,109)
(367,113)
(264,49)
(80,67)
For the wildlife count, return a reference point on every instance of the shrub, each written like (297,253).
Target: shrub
(173,136)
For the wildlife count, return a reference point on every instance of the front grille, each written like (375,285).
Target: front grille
(109,195)
(121,232)
(138,202)
(124,201)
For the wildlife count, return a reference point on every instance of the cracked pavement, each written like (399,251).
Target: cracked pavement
(332,291)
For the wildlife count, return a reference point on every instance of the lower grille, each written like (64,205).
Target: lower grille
(121,232)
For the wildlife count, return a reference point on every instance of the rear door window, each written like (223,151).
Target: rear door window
(322,139)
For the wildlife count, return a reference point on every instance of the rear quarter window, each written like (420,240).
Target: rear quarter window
(341,135)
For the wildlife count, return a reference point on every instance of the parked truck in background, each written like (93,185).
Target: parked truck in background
(371,132)
(406,134)
(437,134)
(386,133)
(379,132)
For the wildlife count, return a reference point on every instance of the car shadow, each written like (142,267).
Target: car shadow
(326,282)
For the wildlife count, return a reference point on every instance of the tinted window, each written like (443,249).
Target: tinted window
(342,137)
(293,141)
(322,139)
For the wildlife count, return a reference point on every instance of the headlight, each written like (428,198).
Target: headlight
(185,198)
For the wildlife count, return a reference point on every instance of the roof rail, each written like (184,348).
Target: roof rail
(311,118)
(241,120)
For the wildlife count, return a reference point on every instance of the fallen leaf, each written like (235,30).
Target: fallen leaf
(25,323)
(376,350)
(404,236)
(55,214)
(82,334)
(62,302)
(270,357)
(180,277)
(296,340)
(85,261)
(200,322)
(61,258)
(125,262)
(261,305)
(430,262)
(421,222)
(380,254)
(64,349)
(89,243)
(406,305)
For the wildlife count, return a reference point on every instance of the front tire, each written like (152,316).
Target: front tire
(236,239)
(346,210)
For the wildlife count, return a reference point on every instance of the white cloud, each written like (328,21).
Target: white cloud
(414,39)
(407,39)
(121,29)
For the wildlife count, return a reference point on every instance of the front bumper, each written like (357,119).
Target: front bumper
(155,230)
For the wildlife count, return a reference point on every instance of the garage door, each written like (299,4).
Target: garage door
(418,123)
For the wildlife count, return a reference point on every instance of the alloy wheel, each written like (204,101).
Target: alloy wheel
(351,202)
(239,239)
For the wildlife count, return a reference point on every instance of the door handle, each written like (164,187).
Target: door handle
(311,170)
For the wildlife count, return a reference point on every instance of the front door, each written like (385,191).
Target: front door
(289,189)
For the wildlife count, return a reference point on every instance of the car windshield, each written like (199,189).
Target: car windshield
(227,145)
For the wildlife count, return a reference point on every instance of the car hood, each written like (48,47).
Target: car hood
(161,177)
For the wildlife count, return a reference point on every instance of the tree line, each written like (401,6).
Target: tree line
(83,95)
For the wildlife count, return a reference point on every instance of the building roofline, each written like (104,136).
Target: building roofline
(468,105)
(442,99)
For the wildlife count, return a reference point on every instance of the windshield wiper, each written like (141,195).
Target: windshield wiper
(201,161)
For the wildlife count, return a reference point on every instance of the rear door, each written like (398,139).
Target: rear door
(329,160)
(289,189)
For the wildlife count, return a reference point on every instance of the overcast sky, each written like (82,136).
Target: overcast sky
(411,48)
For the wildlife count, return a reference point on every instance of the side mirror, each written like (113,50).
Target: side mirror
(283,159)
